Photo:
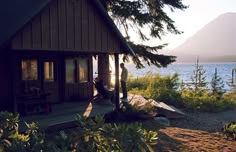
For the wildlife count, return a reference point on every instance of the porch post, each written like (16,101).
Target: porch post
(117,86)
(103,69)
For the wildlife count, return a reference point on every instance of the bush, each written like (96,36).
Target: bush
(154,86)
(10,138)
(198,101)
(205,101)
(90,135)
(168,89)
(230,130)
(94,135)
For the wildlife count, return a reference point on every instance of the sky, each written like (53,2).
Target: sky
(192,19)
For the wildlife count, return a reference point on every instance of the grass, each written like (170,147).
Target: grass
(168,89)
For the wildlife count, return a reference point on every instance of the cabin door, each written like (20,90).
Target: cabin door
(78,79)
(50,79)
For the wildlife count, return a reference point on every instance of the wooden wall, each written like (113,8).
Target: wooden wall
(59,90)
(6,85)
(50,87)
(72,25)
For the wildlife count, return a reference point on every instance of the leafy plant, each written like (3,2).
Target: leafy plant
(12,140)
(91,134)
(230,130)
(94,135)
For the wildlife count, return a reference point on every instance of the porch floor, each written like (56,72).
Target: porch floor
(63,115)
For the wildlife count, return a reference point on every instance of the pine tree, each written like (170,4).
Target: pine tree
(140,16)
(199,77)
(217,84)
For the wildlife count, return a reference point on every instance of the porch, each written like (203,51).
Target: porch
(63,115)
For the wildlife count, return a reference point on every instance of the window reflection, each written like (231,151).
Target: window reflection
(49,71)
(29,69)
(70,71)
(83,70)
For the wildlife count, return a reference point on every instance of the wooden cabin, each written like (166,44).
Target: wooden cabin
(47,46)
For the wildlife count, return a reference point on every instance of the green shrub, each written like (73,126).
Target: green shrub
(230,98)
(95,135)
(140,83)
(204,101)
(229,130)
(90,135)
(168,89)
(10,138)
(154,86)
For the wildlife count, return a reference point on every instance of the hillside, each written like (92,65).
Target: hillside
(214,42)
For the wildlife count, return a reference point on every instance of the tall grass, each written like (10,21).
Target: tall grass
(156,87)
(168,89)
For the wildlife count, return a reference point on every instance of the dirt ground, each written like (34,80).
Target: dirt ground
(197,132)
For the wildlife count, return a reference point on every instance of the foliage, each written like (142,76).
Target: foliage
(230,96)
(204,101)
(154,86)
(149,55)
(229,130)
(148,19)
(198,78)
(168,89)
(59,142)
(139,83)
(91,134)
(10,138)
(217,84)
(95,135)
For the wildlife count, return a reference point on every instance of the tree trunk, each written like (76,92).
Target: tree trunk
(103,69)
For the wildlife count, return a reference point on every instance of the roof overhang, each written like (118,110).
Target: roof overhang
(14,14)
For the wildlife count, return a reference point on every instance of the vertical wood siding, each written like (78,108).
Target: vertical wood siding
(54,28)
(62,24)
(6,87)
(36,34)
(68,25)
(84,23)
(27,37)
(45,23)
(78,29)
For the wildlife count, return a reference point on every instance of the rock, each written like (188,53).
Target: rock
(162,109)
(163,121)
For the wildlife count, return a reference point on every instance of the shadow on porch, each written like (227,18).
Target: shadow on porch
(63,115)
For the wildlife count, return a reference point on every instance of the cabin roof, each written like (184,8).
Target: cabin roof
(14,14)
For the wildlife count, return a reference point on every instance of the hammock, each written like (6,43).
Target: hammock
(103,91)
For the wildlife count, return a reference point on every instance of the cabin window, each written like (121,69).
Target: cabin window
(83,69)
(77,70)
(29,69)
(70,71)
(49,71)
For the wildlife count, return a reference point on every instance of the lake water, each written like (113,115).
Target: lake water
(185,70)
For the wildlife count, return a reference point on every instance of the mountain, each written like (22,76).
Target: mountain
(216,42)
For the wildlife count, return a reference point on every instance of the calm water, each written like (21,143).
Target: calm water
(185,70)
